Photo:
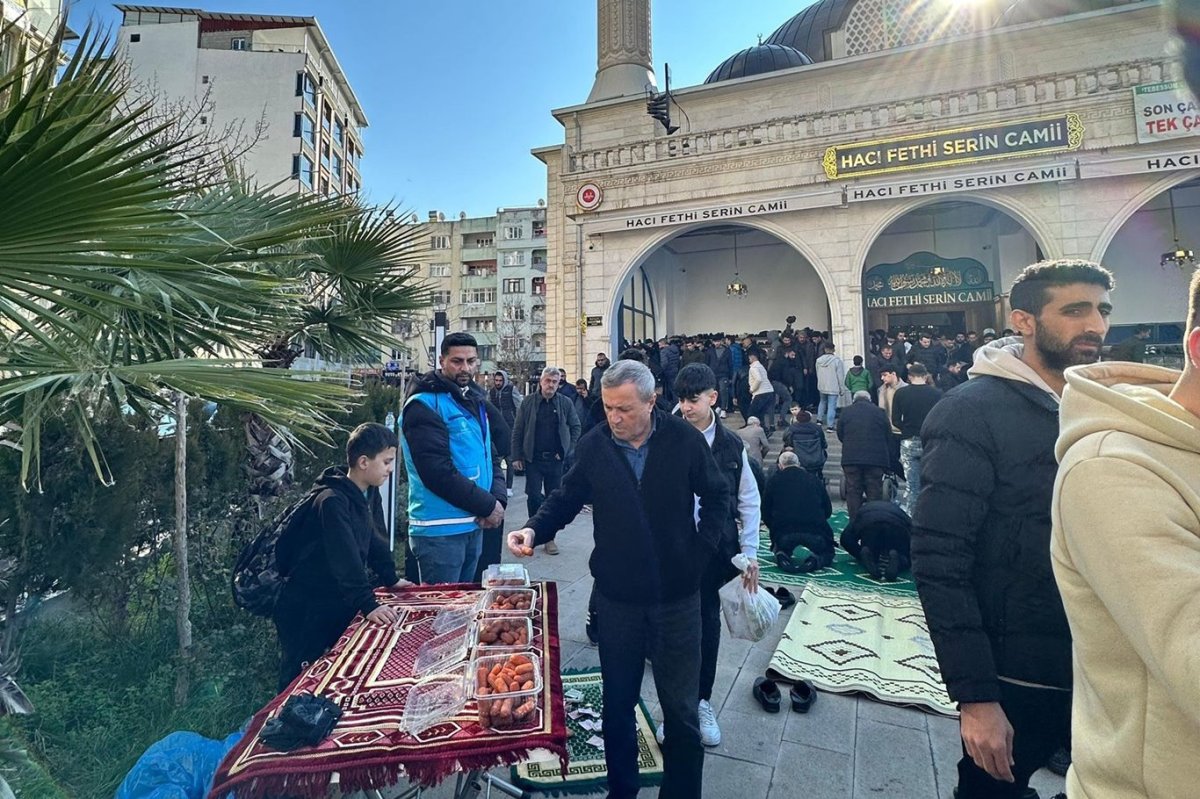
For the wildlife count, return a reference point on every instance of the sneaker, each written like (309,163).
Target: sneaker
(589,628)
(1060,761)
(586,509)
(660,733)
(551,548)
(510,493)
(710,733)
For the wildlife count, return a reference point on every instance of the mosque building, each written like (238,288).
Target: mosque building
(873,164)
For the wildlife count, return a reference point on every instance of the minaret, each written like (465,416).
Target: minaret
(623,65)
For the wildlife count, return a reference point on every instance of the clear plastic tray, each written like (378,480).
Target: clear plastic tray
(491,604)
(512,575)
(435,699)
(514,708)
(441,652)
(455,615)
(495,627)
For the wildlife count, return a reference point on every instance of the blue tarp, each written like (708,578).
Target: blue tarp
(180,766)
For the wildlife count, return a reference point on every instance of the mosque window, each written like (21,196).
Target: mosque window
(875,25)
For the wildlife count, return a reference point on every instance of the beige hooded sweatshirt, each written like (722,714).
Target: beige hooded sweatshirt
(1126,555)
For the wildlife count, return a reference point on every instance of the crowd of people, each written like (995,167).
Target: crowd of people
(1021,564)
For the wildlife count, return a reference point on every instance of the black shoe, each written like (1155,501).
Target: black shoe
(892,567)
(767,694)
(1060,761)
(1030,793)
(803,695)
(870,561)
(786,600)
(590,629)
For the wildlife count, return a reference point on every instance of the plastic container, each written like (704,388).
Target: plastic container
(435,700)
(440,653)
(498,629)
(513,575)
(494,602)
(455,615)
(504,705)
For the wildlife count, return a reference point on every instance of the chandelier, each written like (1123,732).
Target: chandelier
(736,288)
(1180,255)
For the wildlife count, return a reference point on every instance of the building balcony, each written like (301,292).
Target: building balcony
(470,253)
(476,310)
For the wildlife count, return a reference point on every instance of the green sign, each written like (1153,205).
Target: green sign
(924,278)
(958,146)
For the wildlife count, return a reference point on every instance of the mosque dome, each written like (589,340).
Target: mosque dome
(1023,11)
(758,60)
(808,32)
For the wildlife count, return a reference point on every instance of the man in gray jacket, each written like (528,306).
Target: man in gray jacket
(544,435)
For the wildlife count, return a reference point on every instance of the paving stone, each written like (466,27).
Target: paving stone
(946,745)
(754,737)
(726,677)
(829,724)
(811,773)
(892,761)
(1048,783)
(728,777)
(871,710)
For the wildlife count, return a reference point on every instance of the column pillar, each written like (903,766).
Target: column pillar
(623,66)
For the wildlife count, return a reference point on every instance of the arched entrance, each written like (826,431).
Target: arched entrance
(944,267)
(687,286)
(1151,288)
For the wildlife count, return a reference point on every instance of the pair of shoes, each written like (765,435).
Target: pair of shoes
(786,600)
(589,629)
(871,562)
(586,509)
(891,566)
(551,548)
(1060,761)
(767,694)
(803,694)
(510,493)
(710,733)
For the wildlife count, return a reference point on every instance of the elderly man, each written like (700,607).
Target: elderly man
(796,509)
(755,439)
(865,433)
(643,471)
(544,436)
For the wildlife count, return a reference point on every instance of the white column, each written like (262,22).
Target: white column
(623,66)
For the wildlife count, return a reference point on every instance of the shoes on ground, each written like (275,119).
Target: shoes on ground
(586,509)
(891,568)
(1030,793)
(786,600)
(710,733)
(590,629)
(870,560)
(1060,761)
(803,694)
(510,493)
(551,548)
(768,695)
(661,732)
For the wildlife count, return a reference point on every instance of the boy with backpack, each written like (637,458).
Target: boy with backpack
(333,537)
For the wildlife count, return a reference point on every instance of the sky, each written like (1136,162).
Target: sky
(457,92)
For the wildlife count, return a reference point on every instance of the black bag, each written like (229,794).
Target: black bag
(263,565)
(305,720)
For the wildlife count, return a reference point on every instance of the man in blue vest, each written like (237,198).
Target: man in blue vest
(455,485)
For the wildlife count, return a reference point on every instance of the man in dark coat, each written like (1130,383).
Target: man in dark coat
(642,472)
(887,357)
(602,363)
(879,538)
(865,433)
(543,439)
(504,397)
(929,354)
(981,531)
(671,359)
(796,509)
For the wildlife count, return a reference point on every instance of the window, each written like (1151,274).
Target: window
(439,242)
(486,352)
(306,129)
(514,285)
(440,298)
(134,38)
(238,43)
(482,325)
(327,118)
(539,287)
(337,167)
(439,270)
(539,231)
(477,296)
(204,79)
(514,232)
(339,132)
(514,313)
(306,87)
(302,168)
(513,343)
(325,153)
(325,185)
(514,259)
(203,119)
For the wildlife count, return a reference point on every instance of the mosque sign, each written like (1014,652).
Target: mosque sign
(1165,110)
(971,145)
(924,278)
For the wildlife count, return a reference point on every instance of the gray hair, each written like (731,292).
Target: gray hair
(860,394)
(752,420)
(635,372)
(552,370)
(788,459)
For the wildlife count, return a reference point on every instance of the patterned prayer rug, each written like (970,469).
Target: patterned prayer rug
(586,772)
(369,674)
(848,641)
(845,571)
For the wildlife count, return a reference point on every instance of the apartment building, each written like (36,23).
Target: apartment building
(28,22)
(248,69)
(521,250)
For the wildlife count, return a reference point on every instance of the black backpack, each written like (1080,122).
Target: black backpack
(264,563)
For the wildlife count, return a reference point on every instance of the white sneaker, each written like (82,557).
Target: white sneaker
(510,492)
(659,734)
(710,733)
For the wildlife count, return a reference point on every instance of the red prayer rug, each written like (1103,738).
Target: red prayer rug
(369,673)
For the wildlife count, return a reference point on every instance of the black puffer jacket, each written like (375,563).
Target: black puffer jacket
(981,539)
(865,433)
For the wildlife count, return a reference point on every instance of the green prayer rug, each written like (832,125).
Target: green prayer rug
(587,772)
(844,572)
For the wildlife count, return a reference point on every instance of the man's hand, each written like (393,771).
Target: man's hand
(520,542)
(495,519)
(750,577)
(402,583)
(519,465)
(988,738)
(383,615)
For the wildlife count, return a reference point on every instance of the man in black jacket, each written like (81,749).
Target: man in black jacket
(543,439)
(796,509)
(642,473)
(602,363)
(910,405)
(865,433)
(503,395)
(327,556)
(880,539)
(981,532)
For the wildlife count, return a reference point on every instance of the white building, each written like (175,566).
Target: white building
(243,68)
(29,22)
(873,164)
(521,254)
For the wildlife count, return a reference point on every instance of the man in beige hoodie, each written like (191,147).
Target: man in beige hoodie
(1126,554)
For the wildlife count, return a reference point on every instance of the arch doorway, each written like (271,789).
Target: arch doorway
(693,283)
(944,267)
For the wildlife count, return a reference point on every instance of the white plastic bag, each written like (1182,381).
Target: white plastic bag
(747,615)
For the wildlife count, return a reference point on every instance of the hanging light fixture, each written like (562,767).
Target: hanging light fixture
(736,288)
(1180,255)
